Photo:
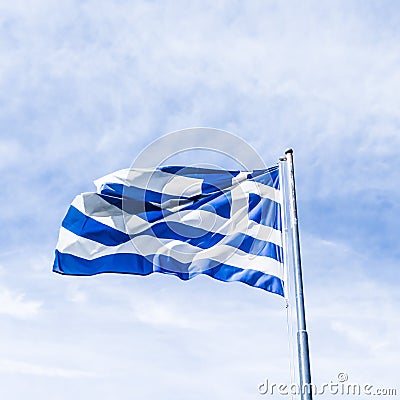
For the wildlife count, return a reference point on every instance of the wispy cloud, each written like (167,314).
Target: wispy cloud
(16,305)
(25,368)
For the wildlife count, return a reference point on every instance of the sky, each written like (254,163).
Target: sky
(85,86)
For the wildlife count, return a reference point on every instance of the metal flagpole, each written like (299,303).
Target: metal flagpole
(302,336)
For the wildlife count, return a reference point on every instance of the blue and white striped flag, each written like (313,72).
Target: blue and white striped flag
(183,221)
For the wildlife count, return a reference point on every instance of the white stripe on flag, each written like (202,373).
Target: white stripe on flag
(154,180)
(146,245)
(100,210)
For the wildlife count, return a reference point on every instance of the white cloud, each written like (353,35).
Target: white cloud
(25,368)
(155,313)
(16,305)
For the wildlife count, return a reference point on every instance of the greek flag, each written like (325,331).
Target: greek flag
(182,221)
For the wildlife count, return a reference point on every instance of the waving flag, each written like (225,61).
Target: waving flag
(183,221)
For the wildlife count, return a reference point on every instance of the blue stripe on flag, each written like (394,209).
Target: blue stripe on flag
(268,177)
(84,226)
(136,194)
(205,240)
(264,211)
(139,265)
(219,202)
(147,211)
(207,174)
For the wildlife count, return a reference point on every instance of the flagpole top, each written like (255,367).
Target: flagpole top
(289,150)
(282,158)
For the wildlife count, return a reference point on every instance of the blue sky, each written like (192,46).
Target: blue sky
(86,85)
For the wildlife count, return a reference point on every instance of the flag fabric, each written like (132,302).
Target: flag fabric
(182,221)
